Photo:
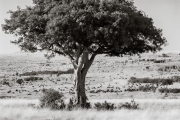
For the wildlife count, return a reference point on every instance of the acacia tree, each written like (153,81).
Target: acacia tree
(82,29)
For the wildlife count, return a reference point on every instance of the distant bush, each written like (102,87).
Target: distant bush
(5,82)
(51,98)
(162,90)
(70,71)
(168,68)
(32,78)
(17,73)
(131,105)
(167,82)
(148,80)
(151,60)
(164,55)
(20,81)
(131,89)
(143,80)
(169,90)
(146,88)
(104,106)
(132,78)
(159,61)
(176,78)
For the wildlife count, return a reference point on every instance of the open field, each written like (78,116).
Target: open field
(107,79)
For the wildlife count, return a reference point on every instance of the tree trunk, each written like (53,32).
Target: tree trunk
(80,70)
(80,77)
(80,89)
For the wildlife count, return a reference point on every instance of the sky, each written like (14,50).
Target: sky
(165,14)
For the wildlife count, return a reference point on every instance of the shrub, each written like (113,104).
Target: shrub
(130,89)
(167,82)
(71,104)
(33,78)
(92,91)
(5,82)
(166,90)
(176,78)
(49,99)
(33,105)
(146,88)
(143,80)
(132,78)
(174,90)
(70,71)
(110,106)
(143,88)
(112,90)
(131,105)
(104,106)
(88,105)
(60,104)
(98,91)
(17,73)
(148,80)
(19,81)
(162,90)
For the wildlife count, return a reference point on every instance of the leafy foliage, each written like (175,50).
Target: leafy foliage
(101,26)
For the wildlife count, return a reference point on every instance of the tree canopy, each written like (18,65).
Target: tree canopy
(66,27)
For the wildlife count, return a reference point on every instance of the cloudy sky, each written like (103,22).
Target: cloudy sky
(165,13)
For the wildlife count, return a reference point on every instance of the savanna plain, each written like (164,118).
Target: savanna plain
(151,80)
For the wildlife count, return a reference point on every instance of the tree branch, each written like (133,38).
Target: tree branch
(88,63)
(77,55)
(92,57)
(83,58)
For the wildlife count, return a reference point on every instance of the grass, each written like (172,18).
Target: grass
(18,109)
